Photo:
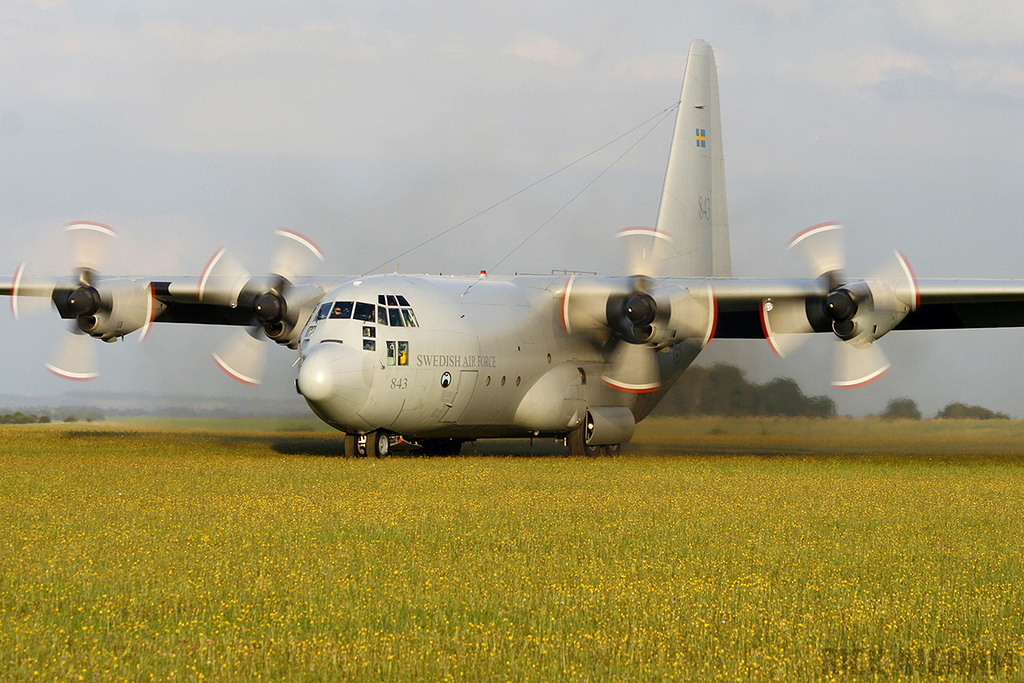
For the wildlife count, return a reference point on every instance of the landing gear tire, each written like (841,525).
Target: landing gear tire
(577,442)
(352,446)
(377,444)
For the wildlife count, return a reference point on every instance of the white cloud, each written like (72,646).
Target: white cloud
(780,9)
(992,22)
(865,67)
(541,48)
(977,74)
(869,65)
(654,67)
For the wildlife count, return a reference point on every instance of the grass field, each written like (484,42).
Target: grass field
(733,550)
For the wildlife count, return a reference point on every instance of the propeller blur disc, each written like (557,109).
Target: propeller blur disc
(75,358)
(30,296)
(821,247)
(295,255)
(634,369)
(222,279)
(858,366)
(785,324)
(89,245)
(243,356)
(638,247)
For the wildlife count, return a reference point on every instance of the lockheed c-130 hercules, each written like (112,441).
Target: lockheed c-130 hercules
(403,361)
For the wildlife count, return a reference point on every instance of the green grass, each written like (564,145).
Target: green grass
(877,551)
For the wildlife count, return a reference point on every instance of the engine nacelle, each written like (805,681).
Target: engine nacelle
(609,425)
(692,315)
(301,302)
(585,303)
(659,317)
(865,311)
(125,305)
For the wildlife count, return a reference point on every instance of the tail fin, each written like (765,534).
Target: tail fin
(693,214)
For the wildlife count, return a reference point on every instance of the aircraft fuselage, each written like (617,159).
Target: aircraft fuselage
(456,357)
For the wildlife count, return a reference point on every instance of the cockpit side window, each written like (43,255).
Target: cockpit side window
(324,311)
(342,309)
(366,312)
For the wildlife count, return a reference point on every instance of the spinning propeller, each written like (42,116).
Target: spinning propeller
(857,312)
(636,317)
(105,309)
(277,304)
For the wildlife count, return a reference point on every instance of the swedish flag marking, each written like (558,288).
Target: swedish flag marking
(701,139)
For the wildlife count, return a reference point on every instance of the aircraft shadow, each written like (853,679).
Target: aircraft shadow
(330,446)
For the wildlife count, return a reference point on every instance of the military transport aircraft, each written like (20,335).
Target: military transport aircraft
(402,361)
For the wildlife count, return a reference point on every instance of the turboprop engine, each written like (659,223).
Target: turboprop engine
(277,304)
(858,313)
(639,316)
(106,309)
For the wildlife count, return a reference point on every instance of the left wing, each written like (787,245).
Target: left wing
(661,312)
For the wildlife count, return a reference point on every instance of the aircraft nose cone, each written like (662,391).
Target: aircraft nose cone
(316,377)
(335,380)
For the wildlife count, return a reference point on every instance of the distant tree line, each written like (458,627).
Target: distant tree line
(52,415)
(724,390)
(906,409)
(20,418)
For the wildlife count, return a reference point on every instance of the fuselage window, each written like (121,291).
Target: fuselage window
(395,316)
(398,353)
(410,317)
(369,345)
(324,311)
(342,309)
(366,312)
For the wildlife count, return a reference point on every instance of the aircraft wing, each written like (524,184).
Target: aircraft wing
(659,313)
(939,305)
(225,294)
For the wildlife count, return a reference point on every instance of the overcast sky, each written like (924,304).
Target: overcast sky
(188,126)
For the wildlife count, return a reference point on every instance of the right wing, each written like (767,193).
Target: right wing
(108,308)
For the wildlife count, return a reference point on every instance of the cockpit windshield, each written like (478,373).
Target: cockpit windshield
(365,312)
(391,310)
(342,309)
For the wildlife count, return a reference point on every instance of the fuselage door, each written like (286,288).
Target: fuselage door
(463,386)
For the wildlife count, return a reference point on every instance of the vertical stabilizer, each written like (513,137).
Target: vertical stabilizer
(693,219)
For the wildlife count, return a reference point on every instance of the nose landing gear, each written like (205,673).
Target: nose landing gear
(376,444)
